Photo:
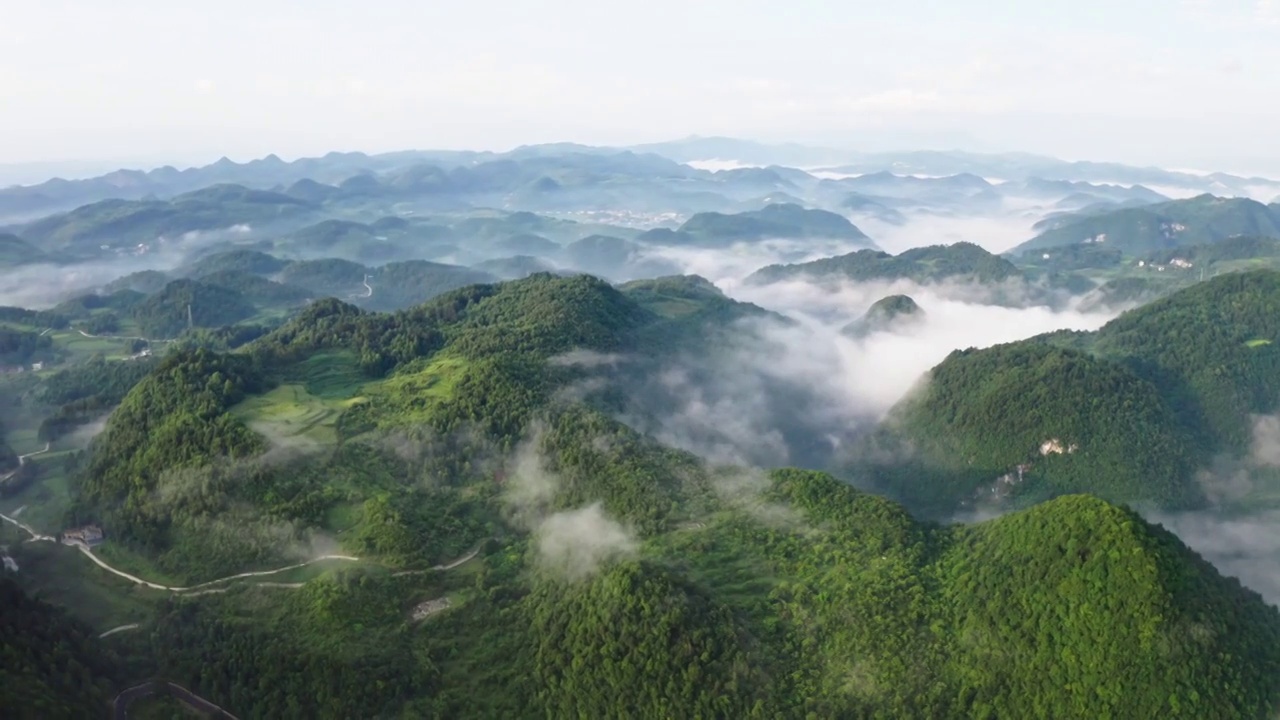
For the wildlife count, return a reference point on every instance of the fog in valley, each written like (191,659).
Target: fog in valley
(788,384)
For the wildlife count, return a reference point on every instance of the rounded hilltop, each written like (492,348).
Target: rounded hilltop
(886,314)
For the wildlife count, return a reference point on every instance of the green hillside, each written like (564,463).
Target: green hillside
(387,239)
(126,223)
(403,284)
(257,289)
(1145,400)
(522,553)
(1138,231)
(193,303)
(782,220)
(1134,290)
(1028,421)
(248,261)
(23,347)
(143,281)
(963,261)
(1200,345)
(50,665)
(331,277)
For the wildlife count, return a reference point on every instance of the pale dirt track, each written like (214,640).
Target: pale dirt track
(22,460)
(84,549)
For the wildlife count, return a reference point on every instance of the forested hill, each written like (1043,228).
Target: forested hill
(777,220)
(1138,231)
(1129,412)
(887,313)
(832,603)
(50,665)
(961,261)
(467,450)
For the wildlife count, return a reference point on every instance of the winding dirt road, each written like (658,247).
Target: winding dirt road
(84,549)
(368,290)
(258,573)
(122,628)
(460,561)
(119,337)
(22,460)
(35,536)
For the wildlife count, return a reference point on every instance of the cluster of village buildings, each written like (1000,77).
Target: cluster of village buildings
(88,535)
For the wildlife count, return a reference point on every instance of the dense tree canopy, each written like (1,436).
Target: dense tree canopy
(525,554)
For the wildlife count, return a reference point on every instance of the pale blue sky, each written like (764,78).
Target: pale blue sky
(1176,82)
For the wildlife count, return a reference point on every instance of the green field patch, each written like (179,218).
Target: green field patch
(126,560)
(410,396)
(330,375)
(289,412)
(79,348)
(1257,343)
(20,327)
(342,517)
(46,500)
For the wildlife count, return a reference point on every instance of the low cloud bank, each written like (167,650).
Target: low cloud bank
(571,544)
(576,543)
(1240,542)
(791,389)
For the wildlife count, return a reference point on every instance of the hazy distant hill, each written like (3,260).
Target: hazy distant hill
(120,226)
(565,175)
(526,244)
(166,182)
(259,290)
(331,277)
(886,314)
(1081,192)
(927,264)
(614,258)
(16,251)
(780,221)
(403,284)
(373,242)
(891,185)
(143,281)
(168,313)
(1177,223)
(874,207)
(514,267)
(249,261)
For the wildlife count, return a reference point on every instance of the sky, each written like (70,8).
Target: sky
(1179,83)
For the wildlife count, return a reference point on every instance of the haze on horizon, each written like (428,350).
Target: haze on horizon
(1178,83)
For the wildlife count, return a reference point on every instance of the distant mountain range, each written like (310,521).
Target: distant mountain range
(1005,166)
(651,177)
